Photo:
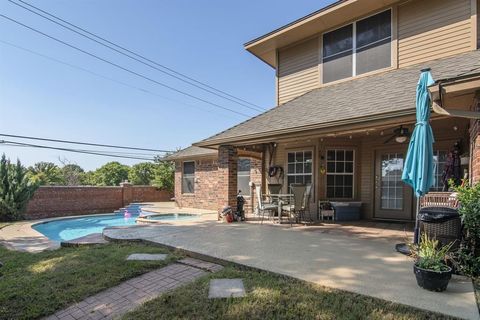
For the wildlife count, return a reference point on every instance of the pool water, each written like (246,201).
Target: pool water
(72,228)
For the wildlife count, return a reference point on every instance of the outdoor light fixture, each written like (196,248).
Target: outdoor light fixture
(401,139)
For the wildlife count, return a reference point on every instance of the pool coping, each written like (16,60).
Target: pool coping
(21,236)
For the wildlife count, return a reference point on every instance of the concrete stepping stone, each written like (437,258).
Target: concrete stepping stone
(226,288)
(147,256)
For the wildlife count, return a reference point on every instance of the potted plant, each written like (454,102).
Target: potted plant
(430,266)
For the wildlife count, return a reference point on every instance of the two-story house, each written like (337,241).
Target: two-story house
(345,92)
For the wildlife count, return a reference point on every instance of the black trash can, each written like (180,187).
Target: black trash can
(441,223)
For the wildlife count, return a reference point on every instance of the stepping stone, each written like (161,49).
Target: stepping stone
(147,256)
(226,288)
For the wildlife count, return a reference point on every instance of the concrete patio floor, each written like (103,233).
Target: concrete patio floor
(342,257)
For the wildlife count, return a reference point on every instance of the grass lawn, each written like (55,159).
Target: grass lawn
(271,296)
(35,285)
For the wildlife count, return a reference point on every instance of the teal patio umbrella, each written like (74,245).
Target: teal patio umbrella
(418,170)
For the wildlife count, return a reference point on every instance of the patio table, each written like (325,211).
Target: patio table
(281,198)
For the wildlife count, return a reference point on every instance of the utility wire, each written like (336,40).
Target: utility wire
(81,143)
(152,64)
(92,152)
(111,79)
(123,68)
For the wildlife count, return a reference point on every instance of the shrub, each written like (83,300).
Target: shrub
(468,256)
(15,190)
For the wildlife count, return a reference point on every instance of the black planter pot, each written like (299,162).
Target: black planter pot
(432,280)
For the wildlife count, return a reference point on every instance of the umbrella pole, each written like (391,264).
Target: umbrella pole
(416,231)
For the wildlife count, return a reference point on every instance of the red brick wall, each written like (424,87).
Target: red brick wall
(206,185)
(64,201)
(209,192)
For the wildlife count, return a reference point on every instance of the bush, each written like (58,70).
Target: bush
(15,190)
(468,256)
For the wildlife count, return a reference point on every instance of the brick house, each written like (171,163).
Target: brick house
(345,83)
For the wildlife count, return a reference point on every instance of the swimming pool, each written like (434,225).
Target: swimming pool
(72,228)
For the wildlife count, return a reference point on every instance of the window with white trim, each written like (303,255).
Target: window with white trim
(340,173)
(299,167)
(188,177)
(357,48)
(243,176)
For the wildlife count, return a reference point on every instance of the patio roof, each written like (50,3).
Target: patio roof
(191,152)
(383,96)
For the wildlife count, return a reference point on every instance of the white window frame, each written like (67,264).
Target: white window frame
(354,44)
(300,174)
(244,175)
(438,170)
(340,173)
(183,176)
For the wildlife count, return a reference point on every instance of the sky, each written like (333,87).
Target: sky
(49,90)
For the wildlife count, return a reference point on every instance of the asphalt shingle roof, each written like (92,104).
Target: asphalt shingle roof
(372,95)
(191,152)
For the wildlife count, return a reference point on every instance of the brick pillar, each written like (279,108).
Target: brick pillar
(227,177)
(127,193)
(475,152)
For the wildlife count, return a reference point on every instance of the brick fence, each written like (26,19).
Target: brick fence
(58,201)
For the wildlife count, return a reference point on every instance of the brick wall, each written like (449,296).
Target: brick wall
(206,185)
(210,187)
(61,201)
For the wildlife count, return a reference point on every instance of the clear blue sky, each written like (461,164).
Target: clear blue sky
(204,39)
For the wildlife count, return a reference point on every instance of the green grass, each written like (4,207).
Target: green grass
(35,285)
(271,296)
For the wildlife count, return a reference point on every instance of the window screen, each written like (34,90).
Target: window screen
(243,176)
(188,177)
(373,37)
(337,54)
(340,164)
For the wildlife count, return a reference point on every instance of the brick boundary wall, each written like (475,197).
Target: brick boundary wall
(59,201)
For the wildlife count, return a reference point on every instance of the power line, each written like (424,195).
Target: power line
(133,55)
(108,78)
(123,68)
(82,143)
(91,152)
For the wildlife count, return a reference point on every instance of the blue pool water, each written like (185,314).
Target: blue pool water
(72,228)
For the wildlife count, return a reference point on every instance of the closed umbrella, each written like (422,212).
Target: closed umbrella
(418,170)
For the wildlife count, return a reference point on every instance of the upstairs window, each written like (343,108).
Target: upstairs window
(357,48)
(188,177)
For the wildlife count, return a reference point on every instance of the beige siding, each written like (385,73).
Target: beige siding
(478,23)
(432,29)
(298,70)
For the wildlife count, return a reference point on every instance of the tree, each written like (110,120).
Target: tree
(16,189)
(110,174)
(142,173)
(164,174)
(72,174)
(45,173)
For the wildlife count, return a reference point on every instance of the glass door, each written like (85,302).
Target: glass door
(393,198)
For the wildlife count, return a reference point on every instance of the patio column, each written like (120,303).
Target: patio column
(227,177)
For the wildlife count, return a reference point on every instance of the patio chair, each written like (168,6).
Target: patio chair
(306,204)
(274,188)
(264,206)
(296,207)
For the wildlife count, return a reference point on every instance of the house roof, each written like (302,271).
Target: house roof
(383,95)
(191,152)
